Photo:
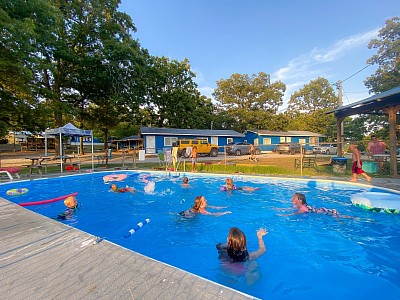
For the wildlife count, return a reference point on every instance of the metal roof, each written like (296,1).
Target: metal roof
(287,133)
(192,132)
(374,104)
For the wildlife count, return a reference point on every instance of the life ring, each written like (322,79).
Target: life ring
(114,177)
(376,201)
(47,201)
(16,192)
(138,226)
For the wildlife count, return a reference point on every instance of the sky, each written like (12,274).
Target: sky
(293,41)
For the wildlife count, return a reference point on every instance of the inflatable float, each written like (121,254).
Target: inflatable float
(16,192)
(377,201)
(114,177)
(48,201)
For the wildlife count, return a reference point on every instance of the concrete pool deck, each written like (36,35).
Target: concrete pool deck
(41,258)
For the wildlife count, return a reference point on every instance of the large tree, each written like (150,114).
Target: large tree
(173,99)
(308,106)
(250,100)
(387,76)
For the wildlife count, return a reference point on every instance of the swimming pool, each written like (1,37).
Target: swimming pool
(307,255)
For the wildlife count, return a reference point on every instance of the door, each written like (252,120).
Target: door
(150,144)
(214,140)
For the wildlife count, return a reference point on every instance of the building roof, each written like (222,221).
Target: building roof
(287,133)
(192,132)
(373,104)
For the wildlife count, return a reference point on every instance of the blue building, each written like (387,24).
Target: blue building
(267,140)
(155,139)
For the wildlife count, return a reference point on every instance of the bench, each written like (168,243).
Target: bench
(39,167)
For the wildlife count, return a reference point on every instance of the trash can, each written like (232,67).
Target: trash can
(339,164)
(370,166)
(141,154)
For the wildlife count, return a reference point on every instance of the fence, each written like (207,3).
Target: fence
(280,159)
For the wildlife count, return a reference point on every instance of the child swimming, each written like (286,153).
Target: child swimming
(229,186)
(199,207)
(116,189)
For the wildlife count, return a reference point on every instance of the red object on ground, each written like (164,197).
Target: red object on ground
(11,170)
(69,168)
(47,201)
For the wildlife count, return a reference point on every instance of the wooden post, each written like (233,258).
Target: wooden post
(339,136)
(392,111)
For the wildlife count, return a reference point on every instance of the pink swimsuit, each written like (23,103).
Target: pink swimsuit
(322,210)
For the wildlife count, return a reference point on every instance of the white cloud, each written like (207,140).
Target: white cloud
(311,65)
(206,91)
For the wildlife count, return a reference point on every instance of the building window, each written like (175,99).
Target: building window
(169,140)
(255,142)
(266,141)
(313,141)
(302,141)
(288,139)
(282,139)
(229,140)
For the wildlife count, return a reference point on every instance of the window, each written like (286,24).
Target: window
(288,139)
(229,140)
(282,139)
(302,141)
(204,142)
(267,141)
(169,140)
(313,141)
(256,142)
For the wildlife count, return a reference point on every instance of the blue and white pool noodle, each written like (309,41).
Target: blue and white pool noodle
(138,226)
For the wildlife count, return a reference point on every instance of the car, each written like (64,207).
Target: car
(325,149)
(241,148)
(289,148)
(203,147)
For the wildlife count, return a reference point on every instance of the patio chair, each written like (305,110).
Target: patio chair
(9,171)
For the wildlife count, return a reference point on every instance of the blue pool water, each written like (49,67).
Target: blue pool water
(310,256)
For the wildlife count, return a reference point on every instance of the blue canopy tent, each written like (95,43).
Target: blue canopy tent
(68,130)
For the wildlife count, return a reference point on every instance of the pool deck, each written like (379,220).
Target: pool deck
(41,258)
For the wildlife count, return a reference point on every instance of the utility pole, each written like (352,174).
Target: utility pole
(339,122)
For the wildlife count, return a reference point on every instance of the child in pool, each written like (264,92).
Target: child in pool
(199,207)
(229,186)
(300,203)
(116,189)
(185,182)
(72,204)
(236,247)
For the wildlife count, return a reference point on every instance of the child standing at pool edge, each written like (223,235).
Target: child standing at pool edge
(357,164)
(194,158)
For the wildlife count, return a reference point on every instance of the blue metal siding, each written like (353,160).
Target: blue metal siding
(251,136)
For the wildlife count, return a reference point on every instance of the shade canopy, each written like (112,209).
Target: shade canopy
(69,129)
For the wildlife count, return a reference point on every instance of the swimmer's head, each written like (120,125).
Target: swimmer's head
(113,187)
(229,181)
(185,180)
(71,202)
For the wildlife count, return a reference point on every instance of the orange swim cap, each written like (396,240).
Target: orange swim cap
(71,202)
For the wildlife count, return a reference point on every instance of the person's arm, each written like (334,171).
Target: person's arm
(291,214)
(261,246)
(218,214)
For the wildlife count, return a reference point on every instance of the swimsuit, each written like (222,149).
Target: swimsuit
(233,188)
(357,170)
(235,256)
(322,210)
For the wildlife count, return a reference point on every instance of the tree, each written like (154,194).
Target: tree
(249,100)
(386,76)
(23,23)
(173,99)
(308,107)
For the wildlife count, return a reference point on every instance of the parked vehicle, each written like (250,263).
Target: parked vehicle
(241,148)
(289,148)
(325,149)
(203,147)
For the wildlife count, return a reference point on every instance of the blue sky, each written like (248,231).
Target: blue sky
(293,41)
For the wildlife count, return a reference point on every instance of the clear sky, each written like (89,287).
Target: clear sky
(293,41)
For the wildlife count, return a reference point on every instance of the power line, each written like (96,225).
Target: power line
(356,73)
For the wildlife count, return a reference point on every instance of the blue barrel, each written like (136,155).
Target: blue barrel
(341,161)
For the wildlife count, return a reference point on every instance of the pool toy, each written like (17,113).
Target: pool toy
(47,201)
(378,202)
(114,177)
(16,192)
(138,226)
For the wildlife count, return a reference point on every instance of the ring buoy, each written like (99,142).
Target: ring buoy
(16,192)
(48,201)
(114,177)
(138,226)
(376,201)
